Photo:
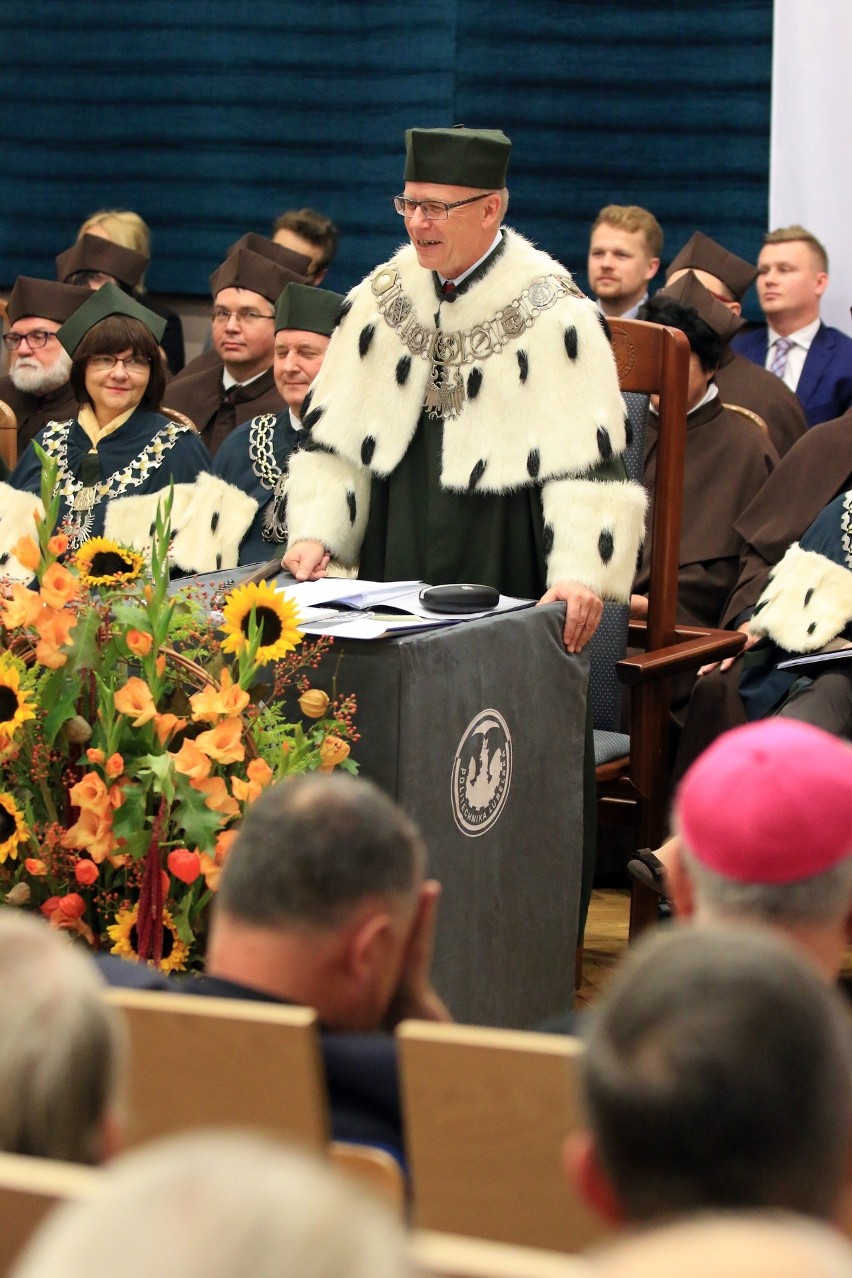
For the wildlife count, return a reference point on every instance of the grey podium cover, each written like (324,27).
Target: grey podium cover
(478,732)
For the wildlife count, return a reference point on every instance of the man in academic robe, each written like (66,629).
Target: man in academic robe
(727,461)
(37,386)
(246,489)
(741,382)
(467,424)
(815,472)
(811,358)
(225,387)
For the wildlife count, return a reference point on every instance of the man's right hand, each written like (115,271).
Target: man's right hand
(306,560)
(751,640)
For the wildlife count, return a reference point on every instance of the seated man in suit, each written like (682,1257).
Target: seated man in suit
(222,388)
(728,277)
(37,386)
(624,255)
(814,360)
(323,903)
(717,1076)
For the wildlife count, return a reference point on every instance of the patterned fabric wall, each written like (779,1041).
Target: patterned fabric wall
(209,125)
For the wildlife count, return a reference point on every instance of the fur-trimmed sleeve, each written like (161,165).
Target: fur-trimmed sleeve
(17,519)
(807,601)
(593,530)
(328,500)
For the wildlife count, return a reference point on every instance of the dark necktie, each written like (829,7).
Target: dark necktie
(449,292)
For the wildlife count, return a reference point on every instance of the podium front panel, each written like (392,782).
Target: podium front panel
(478,732)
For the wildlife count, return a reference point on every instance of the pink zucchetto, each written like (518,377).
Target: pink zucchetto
(769,803)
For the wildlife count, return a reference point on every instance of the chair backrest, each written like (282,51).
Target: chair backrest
(486,1114)
(8,435)
(202,1062)
(750,414)
(29,1189)
(449,1256)
(181,418)
(375,1170)
(654,359)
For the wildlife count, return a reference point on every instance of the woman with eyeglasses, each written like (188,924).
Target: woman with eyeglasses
(120,453)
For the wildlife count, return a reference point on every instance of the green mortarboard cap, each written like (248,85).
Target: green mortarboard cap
(689,291)
(310,310)
(94,253)
(297,263)
(457,157)
(105,301)
(44,299)
(703,254)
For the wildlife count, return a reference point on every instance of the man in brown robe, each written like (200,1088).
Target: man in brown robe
(815,471)
(728,277)
(36,387)
(229,385)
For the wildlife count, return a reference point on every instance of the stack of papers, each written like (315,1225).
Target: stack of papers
(353,609)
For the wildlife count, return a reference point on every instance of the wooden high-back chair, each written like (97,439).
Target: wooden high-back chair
(633,779)
(29,1189)
(486,1114)
(213,1062)
(8,436)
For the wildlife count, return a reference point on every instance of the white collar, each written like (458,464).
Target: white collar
(228,381)
(802,336)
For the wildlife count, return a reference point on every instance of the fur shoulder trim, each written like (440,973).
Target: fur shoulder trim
(544,404)
(17,519)
(807,601)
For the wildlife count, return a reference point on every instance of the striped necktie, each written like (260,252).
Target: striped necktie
(779,356)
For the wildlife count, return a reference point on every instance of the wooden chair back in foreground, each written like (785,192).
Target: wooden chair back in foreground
(486,1114)
(216,1062)
(375,1171)
(8,436)
(29,1189)
(449,1256)
(633,788)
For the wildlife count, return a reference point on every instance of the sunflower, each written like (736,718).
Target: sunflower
(13,830)
(123,933)
(102,562)
(14,710)
(276,617)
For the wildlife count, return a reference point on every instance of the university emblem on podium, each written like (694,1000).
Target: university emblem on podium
(482,773)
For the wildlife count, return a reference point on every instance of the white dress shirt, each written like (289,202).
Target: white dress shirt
(797,353)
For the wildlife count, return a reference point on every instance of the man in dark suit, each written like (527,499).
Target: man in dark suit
(814,360)
(323,903)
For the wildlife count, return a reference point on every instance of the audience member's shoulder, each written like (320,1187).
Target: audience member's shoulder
(122,974)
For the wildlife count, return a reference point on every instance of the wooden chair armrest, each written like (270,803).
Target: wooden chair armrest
(694,650)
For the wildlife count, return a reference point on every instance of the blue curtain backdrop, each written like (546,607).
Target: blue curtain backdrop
(210,118)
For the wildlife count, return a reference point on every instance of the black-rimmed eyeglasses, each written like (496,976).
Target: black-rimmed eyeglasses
(36,339)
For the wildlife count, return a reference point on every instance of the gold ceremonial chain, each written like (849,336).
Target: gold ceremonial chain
(447,352)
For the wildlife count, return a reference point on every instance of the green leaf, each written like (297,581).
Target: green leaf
(84,653)
(180,918)
(161,769)
(61,694)
(129,822)
(199,823)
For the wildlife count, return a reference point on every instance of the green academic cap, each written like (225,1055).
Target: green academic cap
(310,310)
(457,157)
(94,253)
(108,300)
(700,253)
(689,291)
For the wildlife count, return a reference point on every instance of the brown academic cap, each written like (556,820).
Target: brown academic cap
(689,291)
(703,254)
(44,299)
(105,301)
(94,253)
(308,309)
(457,157)
(245,269)
(296,263)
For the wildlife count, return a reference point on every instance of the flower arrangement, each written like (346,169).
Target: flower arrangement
(130,746)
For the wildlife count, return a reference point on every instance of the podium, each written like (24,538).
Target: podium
(477,730)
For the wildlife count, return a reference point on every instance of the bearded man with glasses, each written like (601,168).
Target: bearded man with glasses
(222,388)
(37,386)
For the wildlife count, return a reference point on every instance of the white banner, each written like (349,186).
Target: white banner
(810,176)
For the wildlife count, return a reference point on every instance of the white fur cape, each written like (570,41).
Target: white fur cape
(546,410)
(806,603)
